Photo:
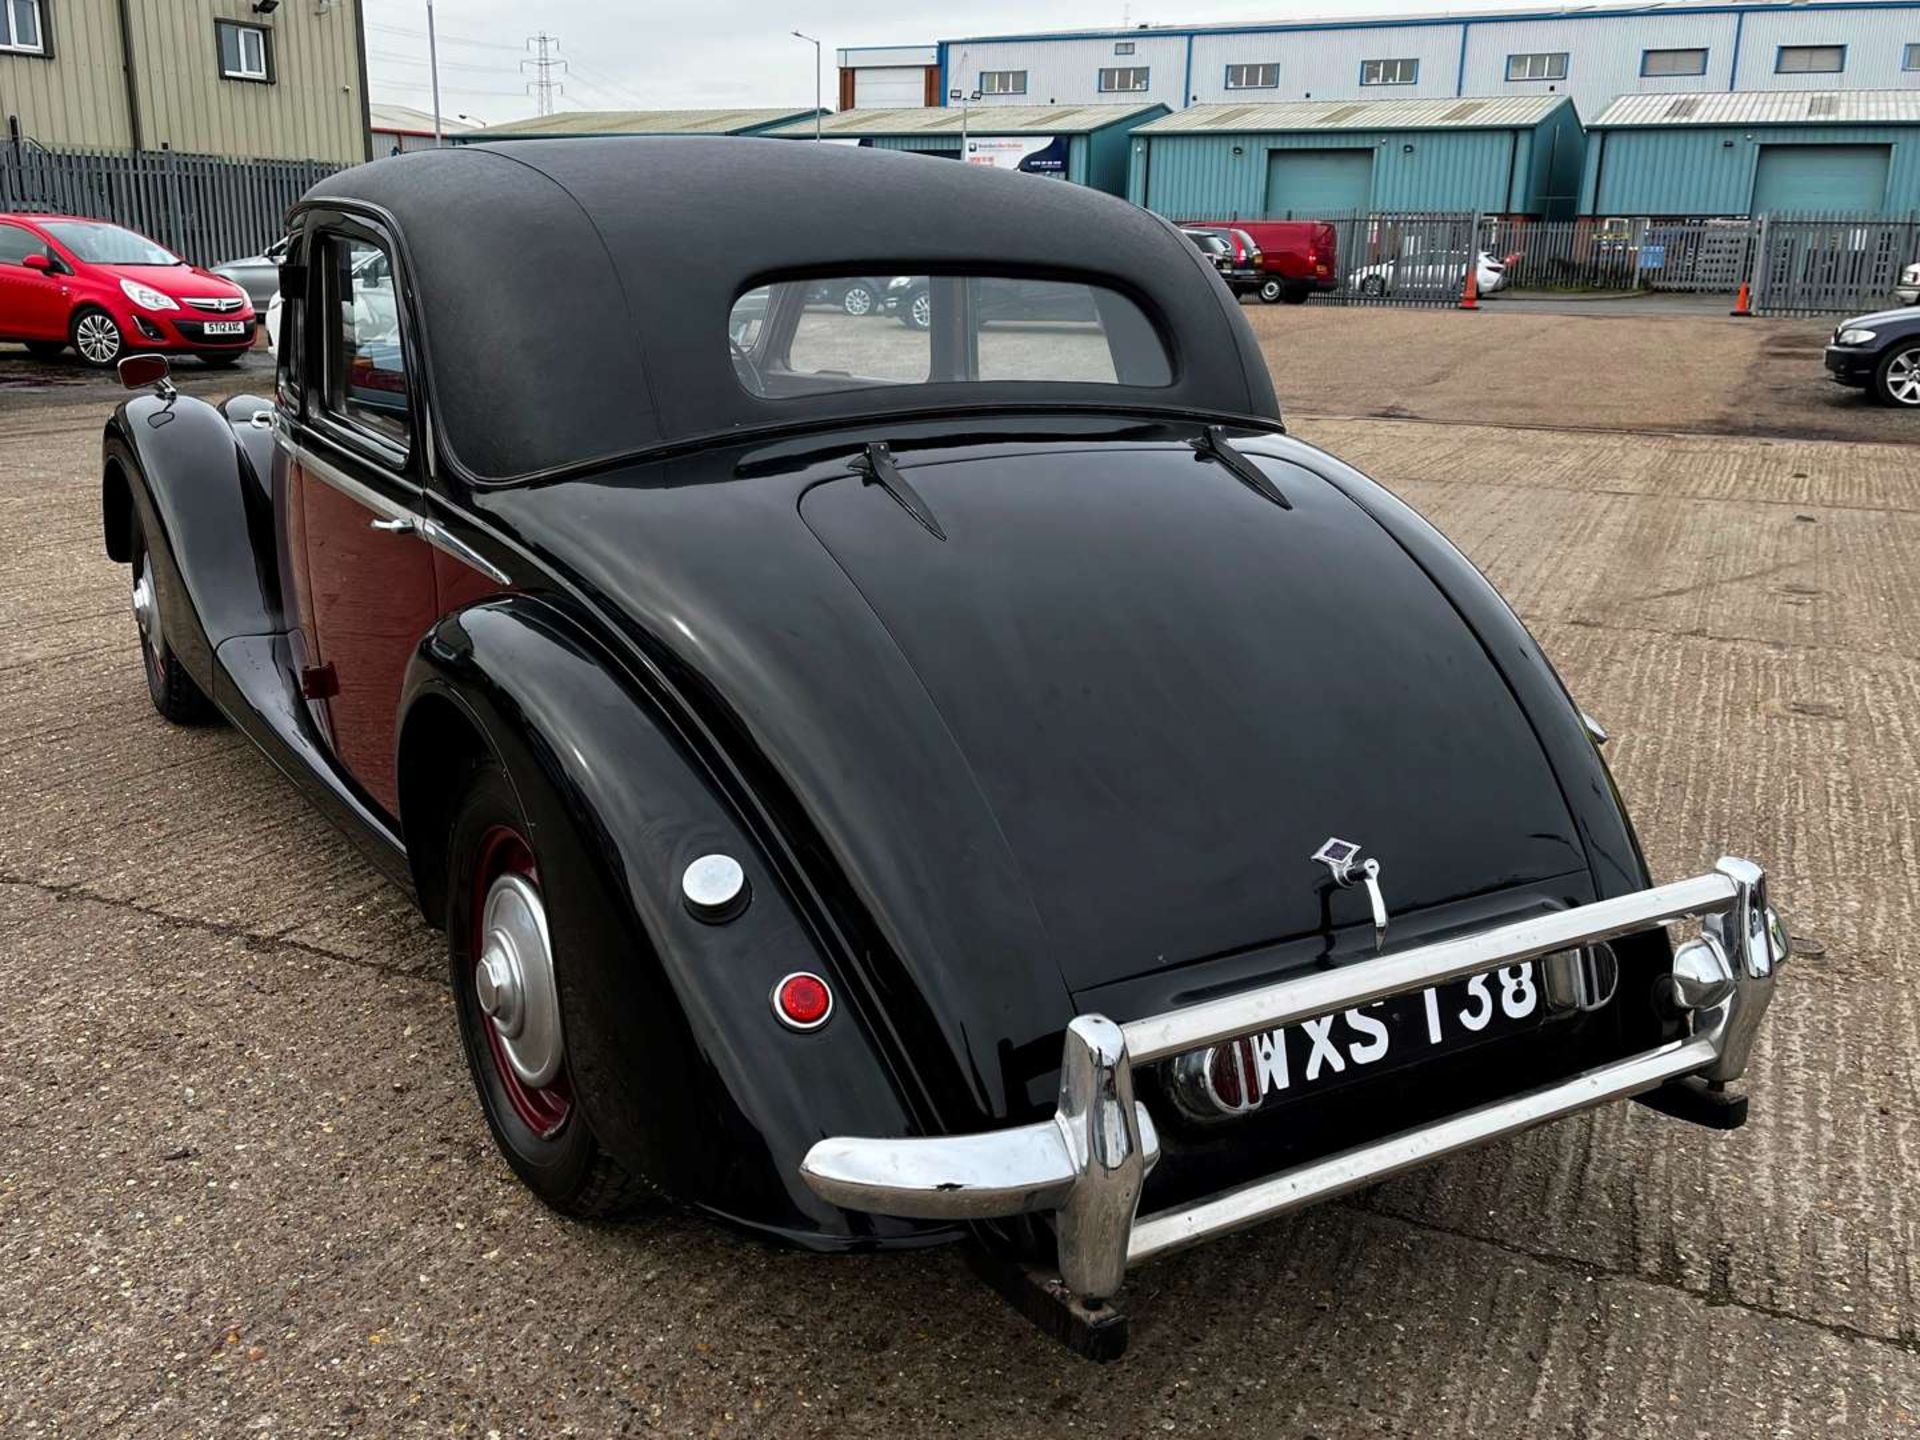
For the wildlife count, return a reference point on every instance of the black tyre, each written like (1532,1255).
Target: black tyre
(1373,285)
(508,1002)
(46,349)
(222,359)
(1896,379)
(96,338)
(859,299)
(1271,292)
(175,695)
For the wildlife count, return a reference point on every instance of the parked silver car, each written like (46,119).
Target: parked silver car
(258,275)
(1907,292)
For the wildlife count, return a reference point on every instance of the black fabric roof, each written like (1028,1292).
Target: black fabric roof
(573,294)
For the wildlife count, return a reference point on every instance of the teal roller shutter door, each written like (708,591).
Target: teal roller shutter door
(1821,177)
(1312,184)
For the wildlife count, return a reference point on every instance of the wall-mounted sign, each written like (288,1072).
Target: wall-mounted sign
(1035,154)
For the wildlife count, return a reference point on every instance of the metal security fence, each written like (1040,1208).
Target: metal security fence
(1415,259)
(1808,265)
(201,207)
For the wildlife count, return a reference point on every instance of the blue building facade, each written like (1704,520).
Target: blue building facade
(1318,159)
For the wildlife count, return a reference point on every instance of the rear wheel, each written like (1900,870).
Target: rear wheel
(46,349)
(1373,285)
(917,313)
(175,695)
(508,1000)
(1271,292)
(1897,378)
(97,338)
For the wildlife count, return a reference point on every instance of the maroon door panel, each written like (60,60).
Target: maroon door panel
(371,593)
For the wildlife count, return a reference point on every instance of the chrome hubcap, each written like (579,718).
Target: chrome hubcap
(144,609)
(1903,378)
(97,337)
(513,980)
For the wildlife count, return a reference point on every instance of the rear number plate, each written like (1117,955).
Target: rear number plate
(1322,1054)
(226,327)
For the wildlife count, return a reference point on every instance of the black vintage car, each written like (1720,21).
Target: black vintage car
(883,785)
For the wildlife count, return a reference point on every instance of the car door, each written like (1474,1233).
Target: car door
(33,303)
(356,497)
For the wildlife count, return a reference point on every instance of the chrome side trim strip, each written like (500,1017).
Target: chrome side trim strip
(1088,1163)
(427,528)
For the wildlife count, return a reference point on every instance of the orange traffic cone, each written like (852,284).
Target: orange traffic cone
(1470,297)
(1743,305)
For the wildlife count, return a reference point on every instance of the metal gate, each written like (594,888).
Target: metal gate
(1402,259)
(1838,265)
(202,208)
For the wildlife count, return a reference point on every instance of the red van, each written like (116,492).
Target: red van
(1297,256)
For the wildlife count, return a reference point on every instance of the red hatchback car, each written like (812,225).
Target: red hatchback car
(107,292)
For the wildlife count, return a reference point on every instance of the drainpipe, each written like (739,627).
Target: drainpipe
(133,86)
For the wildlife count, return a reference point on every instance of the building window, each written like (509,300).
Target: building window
(1673,62)
(1123,47)
(1003,82)
(244,51)
(1123,79)
(1253,77)
(1389,72)
(1545,66)
(20,27)
(1912,58)
(1810,60)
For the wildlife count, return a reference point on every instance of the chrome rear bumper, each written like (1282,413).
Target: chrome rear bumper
(1087,1164)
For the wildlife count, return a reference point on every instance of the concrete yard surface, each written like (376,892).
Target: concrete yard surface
(245,1189)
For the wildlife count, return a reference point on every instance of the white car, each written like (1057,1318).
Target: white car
(1907,292)
(375,314)
(1428,270)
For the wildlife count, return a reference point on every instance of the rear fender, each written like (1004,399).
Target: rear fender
(676,1054)
(178,466)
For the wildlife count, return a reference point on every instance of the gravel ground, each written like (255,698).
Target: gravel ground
(244,1191)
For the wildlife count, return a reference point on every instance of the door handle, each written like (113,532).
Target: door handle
(402,526)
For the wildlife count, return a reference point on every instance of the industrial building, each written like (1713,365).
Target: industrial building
(1594,55)
(401,129)
(1765,153)
(573,124)
(1086,144)
(889,77)
(1503,155)
(231,78)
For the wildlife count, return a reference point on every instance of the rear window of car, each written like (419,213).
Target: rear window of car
(806,337)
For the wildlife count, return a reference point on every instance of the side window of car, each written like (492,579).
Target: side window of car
(16,244)
(365,362)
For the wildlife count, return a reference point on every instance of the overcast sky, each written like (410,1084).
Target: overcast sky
(625,56)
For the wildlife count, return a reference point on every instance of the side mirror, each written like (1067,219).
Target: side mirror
(137,372)
(42,263)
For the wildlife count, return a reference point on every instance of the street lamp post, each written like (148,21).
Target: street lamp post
(816,79)
(433,64)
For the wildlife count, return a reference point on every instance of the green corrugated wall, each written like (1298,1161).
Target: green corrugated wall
(1492,171)
(1709,170)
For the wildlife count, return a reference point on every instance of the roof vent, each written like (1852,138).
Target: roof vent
(1681,109)
(1461,112)
(1818,105)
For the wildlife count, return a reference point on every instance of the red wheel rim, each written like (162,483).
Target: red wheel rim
(543,1109)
